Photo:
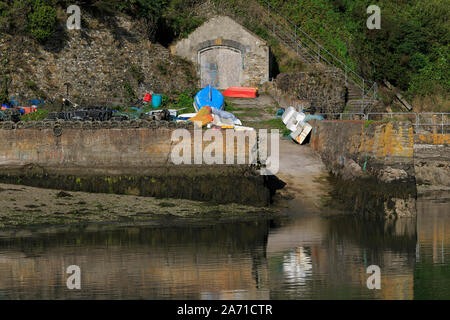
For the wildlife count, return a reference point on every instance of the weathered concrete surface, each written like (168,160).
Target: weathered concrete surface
(126,161)
(226,54)
(124,148)
(432,161)
(354,149)
(304,174)
(375,164)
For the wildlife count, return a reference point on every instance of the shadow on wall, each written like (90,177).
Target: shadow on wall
(274,68)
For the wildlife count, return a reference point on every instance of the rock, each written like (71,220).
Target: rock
(400,208)
(324,90)
(432,166)
(63,194)
(351,170)
(389,175)
(95,71)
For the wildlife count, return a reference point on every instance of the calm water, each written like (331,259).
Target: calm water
(306,256)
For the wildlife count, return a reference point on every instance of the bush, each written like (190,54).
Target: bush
(4,84)
(4,90)
(129,91)
(42,22)
(433,77)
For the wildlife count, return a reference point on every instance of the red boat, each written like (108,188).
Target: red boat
(241,92)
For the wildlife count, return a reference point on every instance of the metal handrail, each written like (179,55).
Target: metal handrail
(358,80)
(417,118)
(444,116)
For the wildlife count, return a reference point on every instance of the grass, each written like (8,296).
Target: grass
(368,123)
(35,116)
(250,114)
(268,124)
(230,106)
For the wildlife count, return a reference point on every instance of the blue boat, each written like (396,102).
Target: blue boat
(209,97)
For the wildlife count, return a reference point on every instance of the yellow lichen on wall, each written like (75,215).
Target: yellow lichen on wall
(435,139)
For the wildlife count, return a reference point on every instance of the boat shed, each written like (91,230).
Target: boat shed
(226,54)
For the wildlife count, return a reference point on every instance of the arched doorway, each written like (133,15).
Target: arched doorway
(220,66)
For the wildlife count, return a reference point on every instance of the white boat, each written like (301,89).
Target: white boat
(295,122)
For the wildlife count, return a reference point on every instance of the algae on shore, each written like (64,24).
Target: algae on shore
(29,206)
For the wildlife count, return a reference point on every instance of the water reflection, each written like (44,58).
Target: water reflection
(332,263)
(432,270)
(217,261)
(307,256)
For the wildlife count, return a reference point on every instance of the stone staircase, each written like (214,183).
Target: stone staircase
(356,103)
(362,94)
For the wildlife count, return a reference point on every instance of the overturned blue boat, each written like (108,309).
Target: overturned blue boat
(209,97)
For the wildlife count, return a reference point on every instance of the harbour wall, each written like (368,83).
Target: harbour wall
(128,160)
(373,164)
(381,166)
(432,161)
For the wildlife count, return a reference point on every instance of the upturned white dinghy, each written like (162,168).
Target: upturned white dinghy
(295,122)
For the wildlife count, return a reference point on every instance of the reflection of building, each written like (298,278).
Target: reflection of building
(327,258)
(297,266)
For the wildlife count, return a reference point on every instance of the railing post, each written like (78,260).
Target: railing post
(363,88)
(376,91)
(417,122)
(295,39)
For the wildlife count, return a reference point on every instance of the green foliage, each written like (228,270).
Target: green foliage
(229,106)
(368,123)
(4,84)
(433,77)
(4,90)
(183,101)
(276,123)
(129,92)
(35,116)
(179,18)
(31,85)
(136,73)
(411,49)
(162,68)
(42,21)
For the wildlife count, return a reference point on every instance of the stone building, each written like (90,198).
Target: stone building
(226,54)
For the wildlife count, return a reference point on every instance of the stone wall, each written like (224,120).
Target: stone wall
(129,160)
(96,63)
(432,161)
(325,92)
(223,32)
(374,162)
(357,148)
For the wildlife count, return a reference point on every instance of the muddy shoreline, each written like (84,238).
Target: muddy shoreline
(23,206)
